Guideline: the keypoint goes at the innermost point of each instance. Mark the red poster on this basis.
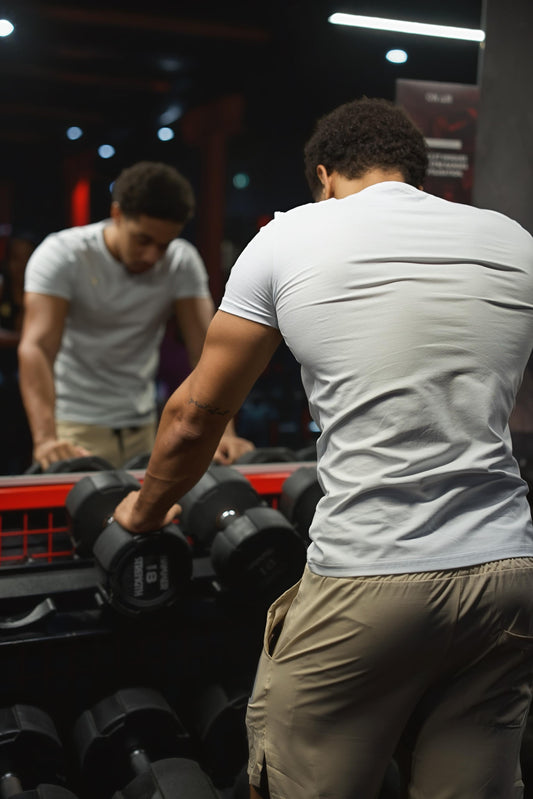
(446, 113)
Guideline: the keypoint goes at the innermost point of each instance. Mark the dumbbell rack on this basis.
(36, 552)
(74, 651)
(47, 598)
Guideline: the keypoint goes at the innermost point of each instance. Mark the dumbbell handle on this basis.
(139, 761)
(226, 517)
(9, 786)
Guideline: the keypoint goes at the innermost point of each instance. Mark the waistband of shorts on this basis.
(479, 569)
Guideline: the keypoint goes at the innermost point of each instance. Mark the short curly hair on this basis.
(365, 134)
(154, 189)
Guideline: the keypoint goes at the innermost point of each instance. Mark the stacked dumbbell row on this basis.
(229, 540)
(128, 745)
(254, 551)
(133, 745)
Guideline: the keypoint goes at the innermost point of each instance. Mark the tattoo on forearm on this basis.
(205, 406)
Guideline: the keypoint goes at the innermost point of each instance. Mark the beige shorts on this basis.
(350, 665)
(116, 446)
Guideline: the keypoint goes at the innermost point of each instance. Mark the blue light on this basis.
(106, 151)
(173, 113)
(6, 27)
(165, 134)
(74, 132)
(396, 56)
(241, 180)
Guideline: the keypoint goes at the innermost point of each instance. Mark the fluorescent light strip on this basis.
(445, 144)
(403, 26)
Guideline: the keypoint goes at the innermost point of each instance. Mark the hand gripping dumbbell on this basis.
(255, 552)
(138, 574)
(299, 497)
(32, 764)
(132, 745)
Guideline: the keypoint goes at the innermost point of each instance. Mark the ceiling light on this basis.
(165, 134)
(173, 113)
(404, 26)
(241, 180)
(106, 151)
(6, 27)
(74, 132)
(396, 56)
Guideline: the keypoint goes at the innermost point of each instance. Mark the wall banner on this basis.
(446, 113)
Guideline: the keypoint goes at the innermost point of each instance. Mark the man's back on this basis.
(413, 320)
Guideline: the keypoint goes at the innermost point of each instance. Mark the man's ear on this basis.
(115, 212)
(326, 181)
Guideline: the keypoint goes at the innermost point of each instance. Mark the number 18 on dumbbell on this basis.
(138, 574)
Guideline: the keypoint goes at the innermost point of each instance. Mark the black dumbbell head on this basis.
(91, 501)
(268, 455)
(141, 574)
(219, 720)
(131, 719)
(300, 494)
(258, 555)
(30, 747)
(221, 489)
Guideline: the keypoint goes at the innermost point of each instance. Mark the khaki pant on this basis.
(351, 664)
(116, 446)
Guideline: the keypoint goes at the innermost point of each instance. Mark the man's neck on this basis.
(340, 186)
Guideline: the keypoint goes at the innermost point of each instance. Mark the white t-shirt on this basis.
(105, 368)
(412, 319)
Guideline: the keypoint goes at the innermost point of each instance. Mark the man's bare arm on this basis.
(235, 353)
(194, 315)
(44, 319)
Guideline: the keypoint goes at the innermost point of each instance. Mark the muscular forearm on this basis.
(186, 441)
(38, 393)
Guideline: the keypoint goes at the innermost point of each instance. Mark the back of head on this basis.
(154, 189)
(362, 135)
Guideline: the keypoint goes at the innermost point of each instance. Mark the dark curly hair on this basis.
(365, 134)
(156, 190)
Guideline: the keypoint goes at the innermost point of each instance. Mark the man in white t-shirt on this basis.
(97, 298)
(412, 319)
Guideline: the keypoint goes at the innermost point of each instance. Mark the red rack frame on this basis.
(33, 520)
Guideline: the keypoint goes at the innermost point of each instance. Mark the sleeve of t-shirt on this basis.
(249, 290)
(190, 274)
(50, 269)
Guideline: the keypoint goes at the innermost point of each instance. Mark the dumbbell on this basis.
(138, 574)
(299, 496)
(218, 719)
(132, 745)
(32, 763)
(85, 463)
(255, 552)
(268, 455)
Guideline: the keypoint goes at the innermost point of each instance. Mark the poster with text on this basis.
(446, 113)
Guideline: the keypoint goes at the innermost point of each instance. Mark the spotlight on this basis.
(106, 151)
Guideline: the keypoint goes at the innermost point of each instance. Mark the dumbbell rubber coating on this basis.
(32, 764)
(133, 745)
(254, 550)
(138, 574)
(299, 497)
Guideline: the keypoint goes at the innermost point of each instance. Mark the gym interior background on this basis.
(228, 94)
(236, 87)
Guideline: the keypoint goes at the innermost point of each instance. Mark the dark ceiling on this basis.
(114, 69)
